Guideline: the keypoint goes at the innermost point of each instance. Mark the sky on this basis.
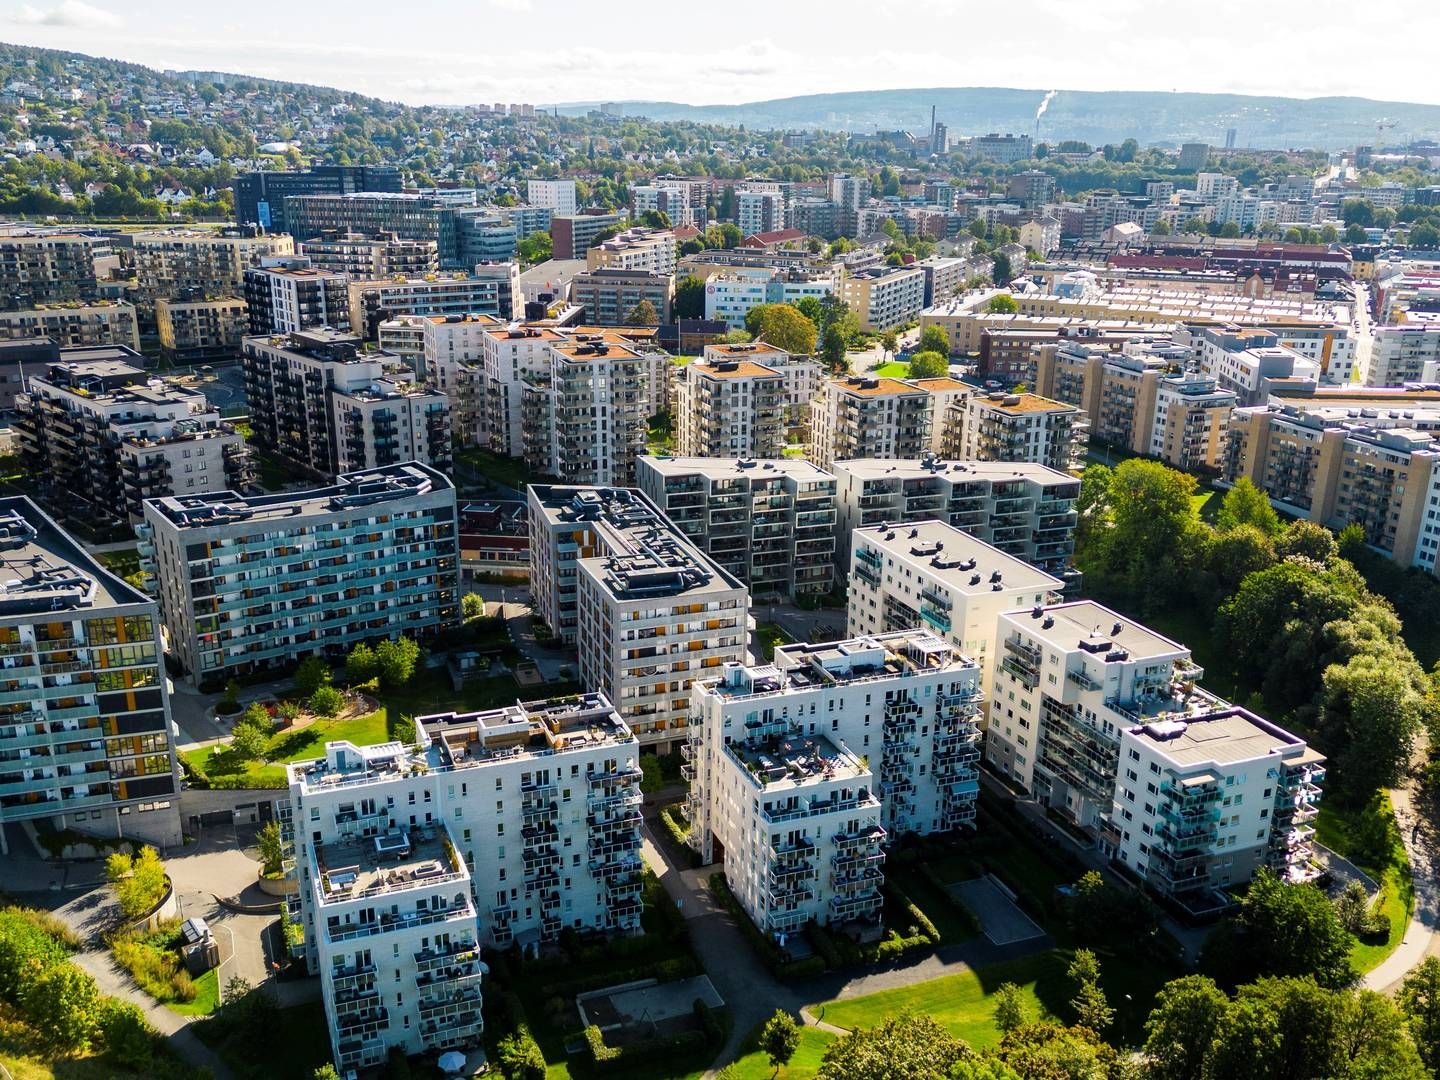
(459, 52)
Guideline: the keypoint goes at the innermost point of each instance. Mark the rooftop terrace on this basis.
(399, 860)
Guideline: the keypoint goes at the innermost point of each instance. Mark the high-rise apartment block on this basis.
(867, 416)
(75, 325)
(801, 768)
(85, 728)
(409, 217)
(572, 234)
(100, 436)
(742, 400)
(648, 611)
(1022, 509)
(1101, 719)
(584, 419)
(364, 257)
(287, 296)
(934, 576)
(771, 524)
(171, 263)
(651, 251)
(885, 297)
(259, 582)
(196, 330)
(46, 268)
(610, 297)
(260, 196)
(557, 196)
(998, 426)
(1401, 354)
(370, 302)
(390, 420)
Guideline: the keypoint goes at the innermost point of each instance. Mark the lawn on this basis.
(207, 997)
(502, 470)
(768, 636)
(895, 369)
(794, 451)
(1207, 504)
(270, 471)
(754, 1065)
(297, 1043)
(949, 919)
(1370, 838)
(121, 563)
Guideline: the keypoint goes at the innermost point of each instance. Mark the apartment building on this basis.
(572, 234)
(932, 575)
(76, 324)
(46, 268)
(371, 302)
(260, 196)
(251, 583)
(557, 196)
(291, 296)
(864, 416)
(1191, 419)
(407, 216)
(493, 233)
(730, 292)
(170, 263)
(997, 426)
(19, 359)
(885, 297)
(302, 390)
(741, 400)
(646, 251)
(1022, 509)
(648, 611)
(391, 420)
(1401, 354)
(364, 258)
(760, 211)
(771, 524)
(584, 420)
(1101, 719)
(85, 731)
(609, 297)
(451, 350)
(510, 356)
(404, 335)
(100, 436)
(415, 829)
(194, 331)
(1249, 362)
(782, 763)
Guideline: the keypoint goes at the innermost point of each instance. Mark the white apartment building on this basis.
(760, 211)
(673, 200)
(731, 292)
(646, 251)
(769, 523)
(407, 868)
(511, 356)
(1401, 354)
(1214, 186)
(557, 196)
(453, 351)
(1022, 509)
(404, 335)
(1247, 211)
(1017, 428)
(584, 419)
(1190, 421)
(648, 611)
(1248, 361)
(740, 400)
(933, 575)
(781, 763)
(885, 297)
(866, 416)
(802, 375)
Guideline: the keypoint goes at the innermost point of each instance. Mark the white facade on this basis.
(1015, 427)
(557, 196)
(885, 297)
(1401, 354)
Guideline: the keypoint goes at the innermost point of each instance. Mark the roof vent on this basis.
(1115, 630)
(1048, 623)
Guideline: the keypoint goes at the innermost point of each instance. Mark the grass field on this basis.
(503, 470)
(1352, 833)
(217, 762)
(769, 635)
(207, 997)
(754, 1065)
(937, 906)
(896, 369)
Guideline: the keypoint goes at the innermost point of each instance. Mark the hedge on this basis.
(617, 1058)
(916, 916)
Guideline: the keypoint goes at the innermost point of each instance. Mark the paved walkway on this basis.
(1420, 936)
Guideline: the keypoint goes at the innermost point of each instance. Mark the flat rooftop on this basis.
(736, 468)
(1085, 623)
(525, 729)
(953, 471)
(402, 859)
(43, 570)
(728, 368)
(355, 490)
(1021, 404)
(794, 759)
(1223, 737)
(743, 350)
(873, 386)
(969, 566)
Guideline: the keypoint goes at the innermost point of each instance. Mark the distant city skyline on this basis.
(497, 50)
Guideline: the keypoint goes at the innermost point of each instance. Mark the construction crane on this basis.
(1382, 125)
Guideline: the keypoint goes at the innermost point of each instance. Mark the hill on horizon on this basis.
(1097, 117)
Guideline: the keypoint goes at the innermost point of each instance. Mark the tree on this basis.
(1370, 713)
(256, 715)
(1374, 1040)
(1151, 518)
(249, 742)
(1357, 212)
(312, 674)
(396, 660)
(1355, 234)
(643, 314)
(898, 1048)
(472, 606)
(1282, 929)
(832, 349)
(1246, 504)
(1329, 234)
(535, 248)
(783, 326)
(1280, 1028)
(1092, 1011)
(689, 302)
(1419, 1000)
(780, 1038)
(1048, 1051)
(272, 849)
(62, 1005)
(1004, 304)
(929, 365)
(1237, 553)
(1160, 228)
(1352, 907)
(1424, 236)
(934, 339)
(326, 1072)
(1002, 272)
(890, 342)
(1181, 1027)
(326, 701)
(360, 664)
(1010, 1010)
(138, 880)
(1308, 540)
(128, 1038)
(230, 702)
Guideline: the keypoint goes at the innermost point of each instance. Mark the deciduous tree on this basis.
(780, 1038)
(1182, 1026)
(898, 1048)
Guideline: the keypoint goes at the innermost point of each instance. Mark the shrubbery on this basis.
(154, 963)
(139, 881)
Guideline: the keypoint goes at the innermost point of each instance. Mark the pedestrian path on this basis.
(1425, 915)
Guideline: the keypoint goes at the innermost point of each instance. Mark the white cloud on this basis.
(70, 13)
(511, 5)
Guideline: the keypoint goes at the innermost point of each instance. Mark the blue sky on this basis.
(547, 51)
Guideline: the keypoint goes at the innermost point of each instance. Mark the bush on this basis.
(472, 605)
(288, 711)
(326, 701)
(916, 916)
(520, 1057)
(154, 965)
(617, 1059)
(139, 881)
(230, 703)
(128, 1038)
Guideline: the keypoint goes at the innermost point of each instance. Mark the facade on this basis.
(75, 325)
(932, 575)
(760, 211)
(771, 524)
(260, 196)
(366, 258)
(409, 217)
(557, 196)
(510, 356)
(1248, 363)
(286, 299)
(866, 416)
(649, 251)
(301, 389)
(584, 416)
(171, 263)
(1401, 354)
(194, 331)
(362, 817)
(1021, 509)
(735, 405)
(247, 584)
(782, 763)
(731, 292)
(609, 296)
(96, 757)
(371, 302)
(100, 438)
(46, 269)
(1101, 719)
(649, 612)
(571, 235)
(1016, 427)
(19, 359)
(393, 419)
(885, 297)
